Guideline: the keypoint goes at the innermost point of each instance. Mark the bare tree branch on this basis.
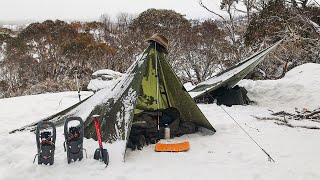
(202, 5)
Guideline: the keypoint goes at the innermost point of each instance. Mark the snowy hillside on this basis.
(228, 154)
(299, 88)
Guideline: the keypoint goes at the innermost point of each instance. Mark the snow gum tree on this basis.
(116, 34)
(300, 26)
(205, 52)
(43, 57)
(232, 24)
(196, 49)
(166, 22)
(53, 50)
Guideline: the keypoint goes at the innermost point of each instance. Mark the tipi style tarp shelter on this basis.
(138, 90)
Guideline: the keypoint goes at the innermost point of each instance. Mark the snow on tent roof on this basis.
(106, 71)
(231, 76)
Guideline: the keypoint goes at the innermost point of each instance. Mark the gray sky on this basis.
(30, 10)
(21, 11)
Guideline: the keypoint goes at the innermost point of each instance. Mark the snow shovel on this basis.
(100, 153)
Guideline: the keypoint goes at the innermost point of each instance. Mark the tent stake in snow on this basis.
(269, 157)
(77, 81)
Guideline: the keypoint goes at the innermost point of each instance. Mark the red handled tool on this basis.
(100, 153)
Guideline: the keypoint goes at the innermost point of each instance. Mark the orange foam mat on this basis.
(176, 147)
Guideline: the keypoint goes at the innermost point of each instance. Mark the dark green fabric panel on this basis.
(118, 111)
(148, 94)
(180, 98)
(229, 83)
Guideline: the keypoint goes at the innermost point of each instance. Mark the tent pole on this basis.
(77, 81)
(157, 77)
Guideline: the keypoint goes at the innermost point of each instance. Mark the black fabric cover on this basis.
(144, 128)
(235, 96)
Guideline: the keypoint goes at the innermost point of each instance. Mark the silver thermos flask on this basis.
(167, 132)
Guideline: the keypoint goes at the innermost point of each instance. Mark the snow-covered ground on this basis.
(228, 154)
(299, 88)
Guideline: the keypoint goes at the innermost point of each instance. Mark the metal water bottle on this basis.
(167, 132)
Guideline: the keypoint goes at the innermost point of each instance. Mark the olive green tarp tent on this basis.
(231, 76)
(135, 92)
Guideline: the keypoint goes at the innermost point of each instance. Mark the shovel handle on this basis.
(104, 157)
(97, 126)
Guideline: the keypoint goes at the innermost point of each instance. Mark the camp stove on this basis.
(73, 144)
(45, 142)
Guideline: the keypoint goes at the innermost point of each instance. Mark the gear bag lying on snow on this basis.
(46, 140)
(73, 139)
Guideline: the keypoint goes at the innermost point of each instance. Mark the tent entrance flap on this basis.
(147, 99)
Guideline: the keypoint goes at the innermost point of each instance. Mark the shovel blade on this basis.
(97, 154)
(103, 156)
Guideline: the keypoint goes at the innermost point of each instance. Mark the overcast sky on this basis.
(39, 10)
(30, 10)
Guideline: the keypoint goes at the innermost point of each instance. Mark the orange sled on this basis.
(177, 147)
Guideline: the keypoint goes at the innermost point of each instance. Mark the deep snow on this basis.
(299, 88)
(228, 154)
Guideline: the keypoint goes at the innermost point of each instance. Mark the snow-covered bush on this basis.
(277, 20)
(51, 86)
(103, 79)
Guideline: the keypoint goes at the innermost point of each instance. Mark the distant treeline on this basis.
(44, 57)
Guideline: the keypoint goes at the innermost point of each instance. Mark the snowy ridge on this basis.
(299, 88)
